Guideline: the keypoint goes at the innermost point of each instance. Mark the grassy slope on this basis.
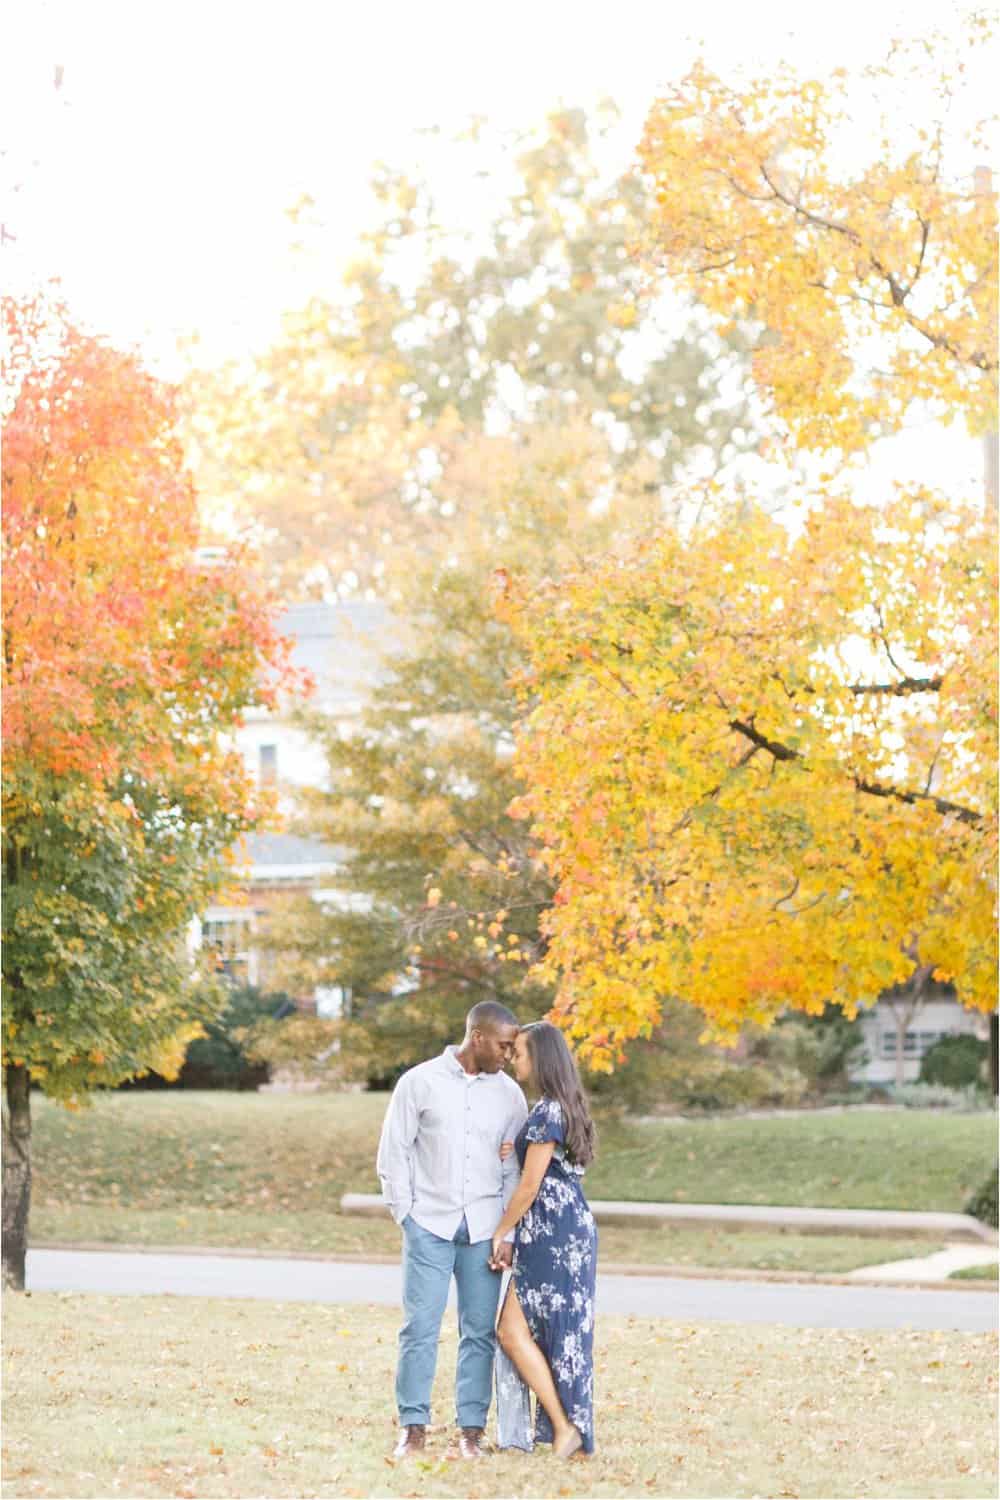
(976, 1273)
(267, 1171)
(198, 1397)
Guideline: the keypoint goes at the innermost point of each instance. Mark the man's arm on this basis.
(510, 1169)
(394, 1163)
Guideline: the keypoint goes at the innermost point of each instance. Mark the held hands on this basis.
(501, 1254)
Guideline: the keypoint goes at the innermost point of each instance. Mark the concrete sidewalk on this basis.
(874, 1222)
(936, 1267)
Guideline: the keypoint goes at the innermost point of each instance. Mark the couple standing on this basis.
(471, 1207)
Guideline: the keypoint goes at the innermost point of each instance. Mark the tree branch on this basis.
(901, 688)
(869, 788)
(941, 804)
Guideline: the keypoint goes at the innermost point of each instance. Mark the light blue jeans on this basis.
(429, 1263)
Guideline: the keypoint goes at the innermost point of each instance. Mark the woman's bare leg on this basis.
(532, 1366)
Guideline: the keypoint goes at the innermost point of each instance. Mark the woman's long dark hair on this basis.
(557, 1078)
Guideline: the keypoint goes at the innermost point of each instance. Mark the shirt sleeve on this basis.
(510, 1169)
(394, 1163)
(545, 1123)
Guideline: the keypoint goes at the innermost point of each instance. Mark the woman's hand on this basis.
(501, 1253)
(506, 1147)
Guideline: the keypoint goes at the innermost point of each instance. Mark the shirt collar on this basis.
(450, 1058)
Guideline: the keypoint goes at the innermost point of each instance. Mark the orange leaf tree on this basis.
(759, 757)
(125, 663)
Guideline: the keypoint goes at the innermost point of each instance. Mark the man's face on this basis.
(494, 1047)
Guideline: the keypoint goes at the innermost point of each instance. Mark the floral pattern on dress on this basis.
(555, 1270)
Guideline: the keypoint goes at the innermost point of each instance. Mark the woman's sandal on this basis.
(570, 1445)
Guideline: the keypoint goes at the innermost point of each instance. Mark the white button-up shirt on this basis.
(439, 1154)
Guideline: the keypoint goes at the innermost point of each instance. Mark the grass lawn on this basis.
(138, 1396)
(976, 1273)
(342, 1234)
(267, 1171)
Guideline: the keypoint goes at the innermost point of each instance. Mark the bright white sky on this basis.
(155, 183)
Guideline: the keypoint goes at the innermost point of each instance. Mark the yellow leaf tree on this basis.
(759, 756)
(874, 283)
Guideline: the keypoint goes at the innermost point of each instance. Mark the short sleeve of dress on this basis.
(545, 1123)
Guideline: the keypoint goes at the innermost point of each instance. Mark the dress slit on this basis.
(514, 1426)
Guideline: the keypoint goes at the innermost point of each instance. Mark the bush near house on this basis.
(798, 1061)
(983, 1203)
(219, 1060)
(955, 1061)
(825, 1049)
(222, 1059)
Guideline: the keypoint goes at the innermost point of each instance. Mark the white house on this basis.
(339, 645)
(938, 1014)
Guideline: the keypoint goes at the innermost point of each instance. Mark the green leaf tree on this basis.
(126, 664)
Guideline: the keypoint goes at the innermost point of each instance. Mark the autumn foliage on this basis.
(877, 288)
(761, 768)
(760, 753)
(126, 662)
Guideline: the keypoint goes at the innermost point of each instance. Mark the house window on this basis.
(332, 1001)
(268, 765)
(230, 938)
(915, 1043)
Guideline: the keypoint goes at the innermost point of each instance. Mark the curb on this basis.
(875, 1223)
(612, 1268)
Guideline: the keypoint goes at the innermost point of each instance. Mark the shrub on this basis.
(955, 1061)
(825, 1048)
(983, 1203)
(305, 1046)
(672, 1071)
(937, 1096)
(713, 1083)
(218, 1060)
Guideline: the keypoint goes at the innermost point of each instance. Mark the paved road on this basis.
(792, 1304)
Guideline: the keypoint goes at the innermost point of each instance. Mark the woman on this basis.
(546, 1324)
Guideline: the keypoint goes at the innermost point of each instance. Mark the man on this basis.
(446, 1186)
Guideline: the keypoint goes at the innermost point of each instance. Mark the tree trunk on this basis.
(905, 1009)
(16, 1174)
(902, 1026)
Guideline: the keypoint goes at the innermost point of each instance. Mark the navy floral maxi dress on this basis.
(554, 1275)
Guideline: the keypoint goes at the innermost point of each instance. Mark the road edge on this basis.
(610, 1268)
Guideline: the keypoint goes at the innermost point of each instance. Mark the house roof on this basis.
(290, 849)
(340, 645)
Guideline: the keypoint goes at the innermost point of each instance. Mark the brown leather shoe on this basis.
(470, 1443)
(411, 1442)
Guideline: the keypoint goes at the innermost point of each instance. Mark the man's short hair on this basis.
(487, 1016)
